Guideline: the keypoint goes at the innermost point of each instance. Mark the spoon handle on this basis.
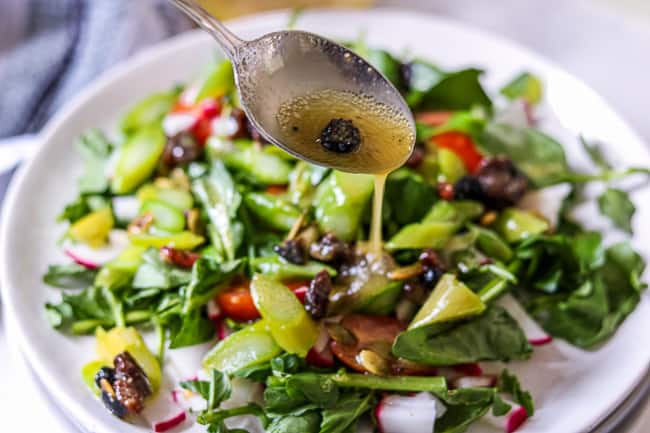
(229, 41)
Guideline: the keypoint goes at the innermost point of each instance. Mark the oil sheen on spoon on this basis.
(386, 138)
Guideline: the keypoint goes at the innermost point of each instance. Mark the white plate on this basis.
(573, 389)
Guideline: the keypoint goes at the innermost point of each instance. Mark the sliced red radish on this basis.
(541, 341)
(412, 414)
(511, 421)
(223, 330)
(474, 382)
(162, 413)
(321, 355)
(535, 334)
(126, 207)
(93, 258)
(214, 312)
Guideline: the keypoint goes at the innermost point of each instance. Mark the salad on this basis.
(189, 228)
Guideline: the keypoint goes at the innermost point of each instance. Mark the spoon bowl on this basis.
(284, 66)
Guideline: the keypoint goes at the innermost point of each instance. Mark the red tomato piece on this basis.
(462, 145)
(237, 303)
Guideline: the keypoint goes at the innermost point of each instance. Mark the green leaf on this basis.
(201, 387)
(494, 335)
(221, 200)
(95, 150)
(194, 329)
(500, 407)
(463, 407)
(616, 204)
(536, 154)
(595, 153)
(509, 384)
(525, 86)
(208, 278)
(433, 89)
(347, 411)
(407, 198)
(154, 273)
(69, 276)
(308, 422)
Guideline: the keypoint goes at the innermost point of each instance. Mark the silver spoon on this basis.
(281, 66)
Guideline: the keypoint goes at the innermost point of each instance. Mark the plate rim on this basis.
(127, 66)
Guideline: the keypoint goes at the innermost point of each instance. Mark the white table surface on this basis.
(604, 42)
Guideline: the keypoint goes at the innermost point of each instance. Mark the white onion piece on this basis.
(224, 126)
(175, 123)
(126, 207)
(94, 258)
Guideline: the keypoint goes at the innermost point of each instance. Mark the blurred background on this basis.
(51, 49)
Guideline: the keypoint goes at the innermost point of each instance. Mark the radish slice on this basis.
(324, 358)
(535, 334)
(162, 413)
(412, 414)
(300, 293)
(541, 341)
(474, 382)
(93, 258)
(175, 123)
(126, 207)
(214, 312)
(511, 421)
(223, 331)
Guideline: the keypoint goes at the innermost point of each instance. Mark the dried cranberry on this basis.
(181, 149)
(180, 258)
(468, 188)
(292, 250)
(446, 191)
(330, 249)
(502, 183)
(317, 297)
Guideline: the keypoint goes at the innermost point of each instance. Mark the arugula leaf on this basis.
(524, 86)
(201, 387)
(616, 204)
(86, 310)
(221, 200)
(494, 335)
(69, 276)
(434, 89)
(95, 150)
(344, 415)
(509, 384)
(155, 273)
(536, 154)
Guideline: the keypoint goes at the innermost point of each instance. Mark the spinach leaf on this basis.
(207, 279)
(595, 154)
(524, 86)
(308, 422)
(509, 384)
(591, 298)
(616, 204)
(434, 89)
(536, 154)
(407, 199)
(463, 407)
(494, 335)
(190, 329)
(201, 387)
(346, 412)
(155, 273)
(95, 150)
(221, 200)
(70, 276)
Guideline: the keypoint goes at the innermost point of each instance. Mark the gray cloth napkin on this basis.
(51, 49)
